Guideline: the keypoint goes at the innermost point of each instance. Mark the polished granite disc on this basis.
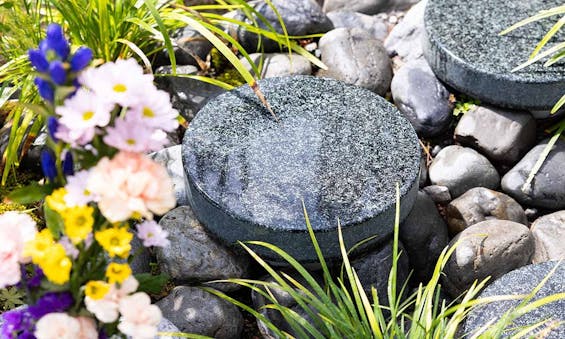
(339, 149)
(465, 50)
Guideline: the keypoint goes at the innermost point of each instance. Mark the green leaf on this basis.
(30, 194)
(10, 298)
(149, 283)
(53, 221)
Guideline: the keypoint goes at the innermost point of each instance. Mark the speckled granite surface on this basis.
(339, 148)
(465, 50)
(523, 281)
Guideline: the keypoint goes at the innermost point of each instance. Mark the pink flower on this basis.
(106, 309)
(15, 229)
(74, 136)
(155, 110)
(131, 135)
(152, 234)
(70, 249)
(131, 183)
(139, 318)
(87, 328)
(57, 326)
(77, 194)
(84, 110)
(121, 82)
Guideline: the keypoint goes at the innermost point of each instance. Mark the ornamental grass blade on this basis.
(541, 159)
(552, 31)
(226, 51)
(541, 15)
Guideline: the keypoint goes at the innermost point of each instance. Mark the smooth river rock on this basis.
(422, 98)
(489, 248)
(196, 311)
(479, 204)
(193, 255)
(461, 168)
(547, 190)
(354, 56)
(424, 235)
(549, 233)
(503, 136)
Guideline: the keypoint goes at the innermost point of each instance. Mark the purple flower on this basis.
(52, 126)
(51, 302)
(16, 321)
(48, 165)
(38, 60)
(35, 279)
(81, 59)
(45, 89)
(57, 72)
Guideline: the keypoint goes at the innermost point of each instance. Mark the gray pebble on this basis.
(489, 248)
(439, 194)
(193, 255)
(501, 135)
(547, 190)
(480, 204)
(355, 57)
(193, 310)
(374, 25)
(549, 234)
(171, 159)
(460, 169)
(405, 39)
(424, 235)
(422, 98)
(279, 64)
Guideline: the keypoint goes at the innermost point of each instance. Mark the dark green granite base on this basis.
(339, 148)
(465, 50)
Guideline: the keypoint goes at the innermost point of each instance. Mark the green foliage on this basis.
(340, 308)
(553, 54)
(10, 298)
(464, 104)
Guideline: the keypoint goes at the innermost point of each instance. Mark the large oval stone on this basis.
(465, 49)
(338, 149)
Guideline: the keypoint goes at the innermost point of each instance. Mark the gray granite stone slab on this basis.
(339, 148)
(523, 281)
(465, 50)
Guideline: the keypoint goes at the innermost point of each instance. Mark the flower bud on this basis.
(48, 165)
(81, 59)
(38, 60)
(45, 89)
(57, 72)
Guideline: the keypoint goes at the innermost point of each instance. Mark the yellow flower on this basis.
(38, 247)
(56, 265)
(117, 273)
(96, 289)
(56, 201)
(78, 222)
(116, 241)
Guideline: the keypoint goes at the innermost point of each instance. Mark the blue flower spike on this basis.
(56, 41)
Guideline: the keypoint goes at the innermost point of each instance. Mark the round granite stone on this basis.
(465, 50)
(337, 148)
(522, 282)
